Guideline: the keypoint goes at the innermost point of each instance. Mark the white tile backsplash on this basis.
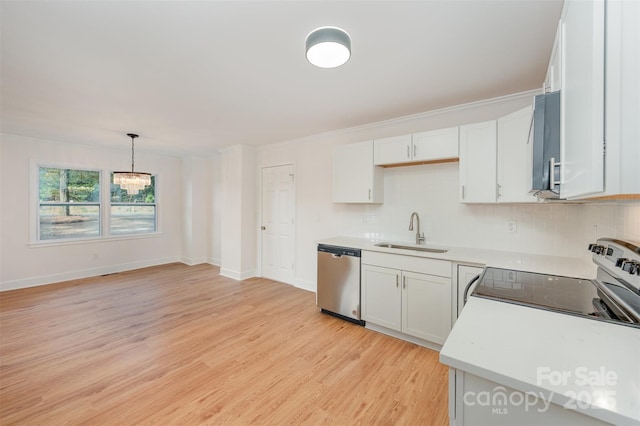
(432, 190)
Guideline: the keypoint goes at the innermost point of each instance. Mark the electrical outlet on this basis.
(512, 226)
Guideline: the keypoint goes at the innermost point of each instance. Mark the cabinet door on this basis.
(622, 173)
(552, 82)
(355, 179)
(582, 100)
(393, 150)
(435, 145)
(478, 162)
(515, 157)
(381, 296)
(426, 306)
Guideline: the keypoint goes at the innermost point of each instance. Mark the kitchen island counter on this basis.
(579, 363)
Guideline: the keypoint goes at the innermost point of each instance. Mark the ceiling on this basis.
(194, 76)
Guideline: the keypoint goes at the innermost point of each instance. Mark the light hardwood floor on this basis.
(176, 344)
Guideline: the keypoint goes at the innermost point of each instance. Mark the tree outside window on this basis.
(69, 203)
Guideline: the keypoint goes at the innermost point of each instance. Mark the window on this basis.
(133, 213)
(69, 203)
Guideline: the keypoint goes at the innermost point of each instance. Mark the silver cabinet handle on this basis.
(369, 194)
(552, 173)
(414, 151)
(408, 152)
(397, 280)
(462, 187)
(404, 282)
(498, 188)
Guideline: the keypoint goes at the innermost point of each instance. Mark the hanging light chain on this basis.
(133, 138)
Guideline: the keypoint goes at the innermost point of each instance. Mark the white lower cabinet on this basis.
(477, 401)
(426, 306)
(411, 302)
(381, 296)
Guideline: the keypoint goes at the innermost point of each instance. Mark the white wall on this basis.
(214, 226)
(208, 208)
(23, 264)
(432, 191)
(196, 210)
(239, 212)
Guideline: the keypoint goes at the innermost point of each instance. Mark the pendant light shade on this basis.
(328, 47)
(132, 181)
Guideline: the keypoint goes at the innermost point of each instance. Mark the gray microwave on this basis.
(545, 181)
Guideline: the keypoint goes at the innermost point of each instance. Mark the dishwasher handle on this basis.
(337, 252)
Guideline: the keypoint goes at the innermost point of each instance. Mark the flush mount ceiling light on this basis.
(132, 181)
(328, 47)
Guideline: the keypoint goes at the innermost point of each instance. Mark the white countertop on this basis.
(555, 265)
(528, 349)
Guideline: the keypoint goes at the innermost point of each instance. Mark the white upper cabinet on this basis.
(553, 80)
(478, 162)
(496, 160)
(355, 178)
(622, 100)
(515, 157)
(600, 69)
(434, 145)
(393, 150)
(582, 99)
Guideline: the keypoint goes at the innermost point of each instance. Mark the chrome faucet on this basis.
(419, 236)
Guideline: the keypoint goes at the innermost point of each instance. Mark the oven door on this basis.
(622, 302)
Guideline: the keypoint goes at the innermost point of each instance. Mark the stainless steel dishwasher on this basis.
(339, 282)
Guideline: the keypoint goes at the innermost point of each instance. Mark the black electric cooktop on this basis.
(552, 292)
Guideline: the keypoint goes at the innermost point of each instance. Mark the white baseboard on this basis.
(215, 261)
(191, 262)
(237, 275)
(305, 284)
(402, 336)
(83, 273)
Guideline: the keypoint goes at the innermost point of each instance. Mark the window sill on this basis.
(92, 240)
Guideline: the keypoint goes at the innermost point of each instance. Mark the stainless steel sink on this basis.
(416, 248)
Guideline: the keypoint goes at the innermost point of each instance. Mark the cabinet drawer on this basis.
(421, 265)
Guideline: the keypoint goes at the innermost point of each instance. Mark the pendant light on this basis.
(328, 47)
(132, 181)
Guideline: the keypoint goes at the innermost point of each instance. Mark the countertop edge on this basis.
(549, 264)
(467, 335)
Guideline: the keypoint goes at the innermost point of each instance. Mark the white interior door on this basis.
(278, 223)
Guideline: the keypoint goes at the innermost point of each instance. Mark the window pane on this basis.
(67, 185)
(68, 221)
(129, 219)
(144, 195)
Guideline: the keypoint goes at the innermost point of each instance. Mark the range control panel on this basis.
(619, 258)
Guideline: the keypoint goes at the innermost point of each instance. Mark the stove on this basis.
(613, 295)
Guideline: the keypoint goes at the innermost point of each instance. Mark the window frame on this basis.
(111, 204)
(104, 206)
